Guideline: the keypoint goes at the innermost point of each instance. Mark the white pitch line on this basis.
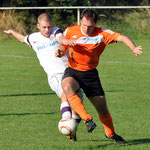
(123, 62)
(101, 61)
(16, 56)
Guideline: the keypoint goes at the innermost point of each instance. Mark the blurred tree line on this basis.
(29, 3)
(64, 17)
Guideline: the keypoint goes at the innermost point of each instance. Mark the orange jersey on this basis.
(85, 54)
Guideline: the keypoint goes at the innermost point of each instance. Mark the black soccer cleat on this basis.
(90, 125)
(116, 138)
(72, 138)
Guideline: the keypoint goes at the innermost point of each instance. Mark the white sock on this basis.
(65, 110)
(77, 118)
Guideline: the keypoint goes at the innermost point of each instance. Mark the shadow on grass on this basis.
(137, 142)
(32, 94)
(128, 143)
(24, 114)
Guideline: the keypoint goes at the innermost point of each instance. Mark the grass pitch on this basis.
(30, 110)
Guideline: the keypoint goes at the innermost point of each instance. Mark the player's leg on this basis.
(65, 107)
(74, 114)
(99, 103)
(55, 84)
(70, 86)
(93, 89)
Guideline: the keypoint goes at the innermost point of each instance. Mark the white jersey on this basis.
(45, 49)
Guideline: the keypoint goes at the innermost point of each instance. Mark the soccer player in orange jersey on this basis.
(81, 72)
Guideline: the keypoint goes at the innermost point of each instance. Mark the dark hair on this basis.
(89, 13)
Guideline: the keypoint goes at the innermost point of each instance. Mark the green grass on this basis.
(29, 109)
(135, 24)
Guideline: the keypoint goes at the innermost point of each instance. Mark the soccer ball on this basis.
(67, 126)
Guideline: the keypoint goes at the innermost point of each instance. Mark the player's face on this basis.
(87, 25)
(45, 28)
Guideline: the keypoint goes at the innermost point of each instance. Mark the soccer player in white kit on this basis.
(45, 43)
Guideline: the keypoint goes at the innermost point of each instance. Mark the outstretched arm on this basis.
(137, 50)
(17, 35)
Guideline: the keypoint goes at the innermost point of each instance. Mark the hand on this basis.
(137, 50)
(68, 42)
(59, 53)
(8, 31)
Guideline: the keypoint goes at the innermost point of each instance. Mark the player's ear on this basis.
(38, 26)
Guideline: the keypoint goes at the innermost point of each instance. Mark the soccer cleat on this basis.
(116, 138)
(90, 125)
(72, 138)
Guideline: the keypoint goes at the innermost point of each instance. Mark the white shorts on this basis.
(55, 83)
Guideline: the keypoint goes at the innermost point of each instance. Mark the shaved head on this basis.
(44, 17)
(44, 24)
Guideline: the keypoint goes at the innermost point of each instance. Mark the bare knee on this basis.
(67, 89)
(70, 86)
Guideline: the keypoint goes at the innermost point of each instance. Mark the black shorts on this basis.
(88, 80)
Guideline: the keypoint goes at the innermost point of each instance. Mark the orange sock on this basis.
(77, 106)
(108, 124)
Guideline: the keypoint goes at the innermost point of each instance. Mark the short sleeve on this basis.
(26, 40)
(110, 36)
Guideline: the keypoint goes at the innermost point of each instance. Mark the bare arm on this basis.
(62, 40)
(17, 35)
(137, 50)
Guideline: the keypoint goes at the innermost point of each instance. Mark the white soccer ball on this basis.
(67, 126)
